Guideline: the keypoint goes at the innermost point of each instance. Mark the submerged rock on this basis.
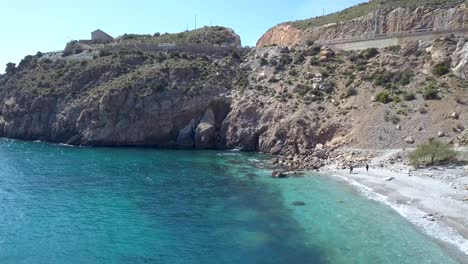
(299, 203)
(279, 174)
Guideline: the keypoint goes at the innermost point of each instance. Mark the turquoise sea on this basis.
(61, 204)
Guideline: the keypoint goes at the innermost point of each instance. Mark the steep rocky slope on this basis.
(120, 98)
(372, 99)
(303, 100)
(376, 17)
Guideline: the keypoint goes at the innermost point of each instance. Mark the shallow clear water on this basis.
(61, 204)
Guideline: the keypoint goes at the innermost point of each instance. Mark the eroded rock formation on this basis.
(376, 22)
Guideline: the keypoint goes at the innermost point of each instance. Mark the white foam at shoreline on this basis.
(435, 229)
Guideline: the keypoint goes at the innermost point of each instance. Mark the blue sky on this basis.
(28, 26)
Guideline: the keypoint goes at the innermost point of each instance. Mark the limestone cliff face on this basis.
(125, 99)
(283, 34)
(118, 119)
(376, 22)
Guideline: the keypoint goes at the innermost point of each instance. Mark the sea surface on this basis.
(61, 204)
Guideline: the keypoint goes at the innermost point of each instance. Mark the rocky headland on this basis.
(303, 101)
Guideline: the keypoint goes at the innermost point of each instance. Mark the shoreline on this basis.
(431, 204)
(423, 197)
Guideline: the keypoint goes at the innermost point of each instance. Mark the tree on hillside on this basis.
(10, 68)
(432, 153)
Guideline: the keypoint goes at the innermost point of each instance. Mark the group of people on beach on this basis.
(351, 168)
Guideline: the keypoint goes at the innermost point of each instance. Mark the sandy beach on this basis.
(434, 200)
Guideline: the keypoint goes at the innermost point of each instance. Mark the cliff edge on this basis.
(376, 17)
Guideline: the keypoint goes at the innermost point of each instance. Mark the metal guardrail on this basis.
(396, 34)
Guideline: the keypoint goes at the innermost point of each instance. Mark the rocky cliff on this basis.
(381, 19)
(125, 98)
(307, 100)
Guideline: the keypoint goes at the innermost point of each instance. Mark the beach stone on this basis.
(390, 179)
(454, 115)
(410, 140)
(440, 134)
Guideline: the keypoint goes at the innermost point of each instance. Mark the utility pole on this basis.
(195, 21)
(323, 12)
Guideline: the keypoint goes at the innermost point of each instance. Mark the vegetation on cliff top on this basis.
(146, 72)
(366, 8)
(206, 35)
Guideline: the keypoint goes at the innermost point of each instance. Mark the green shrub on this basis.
(299, 59)
(273, 80)
(104, 53)
(350, 91)
(383, 97)
(350, 80)
(235, 55)
(310, 42)
(285, 59)
(402, 112)
(72, 47)
(388, 117)
(394, 49)
(368, 53)
(396, 99)
(10, 68)
(395, 119)
(408, 96)
(430, 93)
(390, 80)
(422, 110)
(314, 61)
(440, 70)
(432, 153)
(329, 86)
(293, 72)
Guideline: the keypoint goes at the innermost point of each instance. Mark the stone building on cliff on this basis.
(99, 35)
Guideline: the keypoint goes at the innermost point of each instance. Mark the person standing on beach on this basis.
(367, 167)
(351, 169)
